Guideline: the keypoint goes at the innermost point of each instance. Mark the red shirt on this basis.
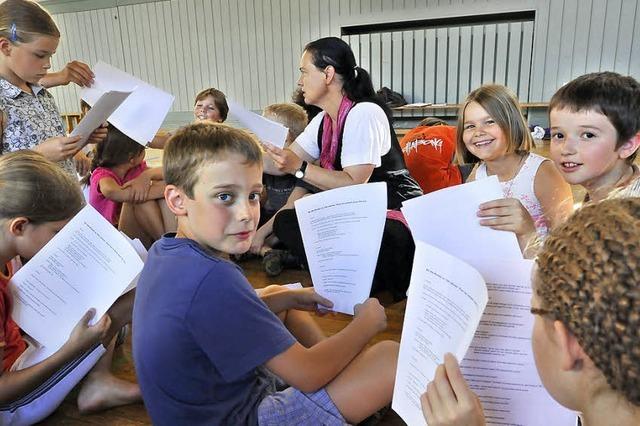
(428, 152)
(11, 340)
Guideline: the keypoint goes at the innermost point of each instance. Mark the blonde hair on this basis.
(502, 105)
(33, 187)
(589, 278)
(292, 116)
(23, 20)
(196, 144)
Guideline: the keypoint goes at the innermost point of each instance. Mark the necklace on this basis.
(507, 187)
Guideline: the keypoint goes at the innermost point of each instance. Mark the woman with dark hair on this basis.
(350, 142)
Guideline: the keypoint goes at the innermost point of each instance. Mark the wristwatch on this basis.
(300, 172)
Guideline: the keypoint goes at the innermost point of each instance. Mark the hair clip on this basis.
(355, 71)
(13, 32)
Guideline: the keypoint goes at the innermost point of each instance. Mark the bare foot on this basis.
(104, 390)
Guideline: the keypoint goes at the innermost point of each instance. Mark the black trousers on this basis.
(393, 270)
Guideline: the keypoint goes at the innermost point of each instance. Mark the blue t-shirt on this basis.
(200, 337)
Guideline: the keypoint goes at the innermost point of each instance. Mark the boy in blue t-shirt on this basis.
(209, 350)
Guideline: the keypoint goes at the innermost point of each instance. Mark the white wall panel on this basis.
(88, 36)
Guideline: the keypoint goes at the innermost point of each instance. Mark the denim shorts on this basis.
(294, 407)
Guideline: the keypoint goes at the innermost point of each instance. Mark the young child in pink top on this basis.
(116, 163)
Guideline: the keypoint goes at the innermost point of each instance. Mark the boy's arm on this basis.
(16, 384)
(283, 299)
(309, 369)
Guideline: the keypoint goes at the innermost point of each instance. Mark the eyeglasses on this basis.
(542, 312)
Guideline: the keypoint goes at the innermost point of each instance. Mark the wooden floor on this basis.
(136, 414)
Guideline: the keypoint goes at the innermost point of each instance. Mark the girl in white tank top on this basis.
(521, 187)
(493, 132)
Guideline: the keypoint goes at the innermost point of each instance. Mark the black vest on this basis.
(392, 170)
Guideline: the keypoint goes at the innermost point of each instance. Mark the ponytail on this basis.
(356, 82)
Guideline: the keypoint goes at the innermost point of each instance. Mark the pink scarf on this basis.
(329, 137)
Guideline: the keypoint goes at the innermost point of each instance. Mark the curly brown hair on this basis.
(589, 276)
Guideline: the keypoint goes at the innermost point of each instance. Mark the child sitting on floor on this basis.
(595, 134)
(277, 188)
(115, 163)
(37, 198)
(210, 104)
(492, 130)
(230, 347)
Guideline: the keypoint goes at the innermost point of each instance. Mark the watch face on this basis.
(299, 174)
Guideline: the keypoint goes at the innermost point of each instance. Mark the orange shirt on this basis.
(11, 340)
(428, 152)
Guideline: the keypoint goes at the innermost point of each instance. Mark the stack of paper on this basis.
(451, 309)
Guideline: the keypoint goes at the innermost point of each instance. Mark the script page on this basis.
(98, 114)
(266, 130)
(448, 219)
(86, 265)
(445, 301)
(142, 113)
(499, 364)
(342, 230)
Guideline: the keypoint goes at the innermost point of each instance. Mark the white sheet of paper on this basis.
(86, 265)
(445, 303)
(142, 113)
(342, 230)
(499, 364)
(448, 220)
(33, 354)
(266, 130)
(142, 252)
(99, 113)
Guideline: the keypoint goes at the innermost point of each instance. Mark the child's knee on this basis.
(388, 349)
(386, 354)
